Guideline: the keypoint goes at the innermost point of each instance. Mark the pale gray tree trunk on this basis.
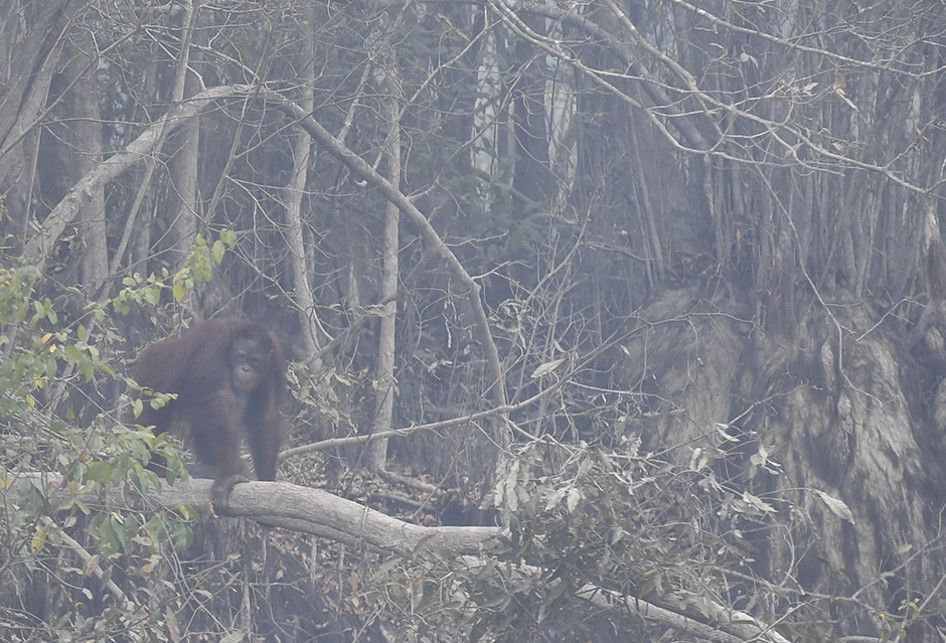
(384, 378)
(301, 153)
(184, 148)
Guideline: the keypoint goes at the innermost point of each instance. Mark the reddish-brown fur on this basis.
(213, 412)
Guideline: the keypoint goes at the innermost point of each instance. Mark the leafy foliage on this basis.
(45, 363)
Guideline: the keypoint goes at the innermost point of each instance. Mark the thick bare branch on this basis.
(323, 514)
(303, 509)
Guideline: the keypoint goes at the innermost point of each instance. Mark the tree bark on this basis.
(184, 148)
(312, 511)
(384, 384)
(301, 155)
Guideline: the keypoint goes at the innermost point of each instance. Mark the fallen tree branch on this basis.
(320, 513)
(734, 627)
(304, 509)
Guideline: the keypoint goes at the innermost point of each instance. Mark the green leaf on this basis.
(178, 290)
(218, 249)
(152, 295)
(38, 541)
(72, 353)
(228, 237)
(99, 472)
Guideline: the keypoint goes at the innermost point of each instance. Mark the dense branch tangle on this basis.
(37, 248)
(795, 145)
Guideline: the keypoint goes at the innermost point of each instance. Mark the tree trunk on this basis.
(78, 140)
(384, 375)
(301, 151)
(183, 149)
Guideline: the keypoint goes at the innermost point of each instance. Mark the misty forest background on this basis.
(653, 274)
